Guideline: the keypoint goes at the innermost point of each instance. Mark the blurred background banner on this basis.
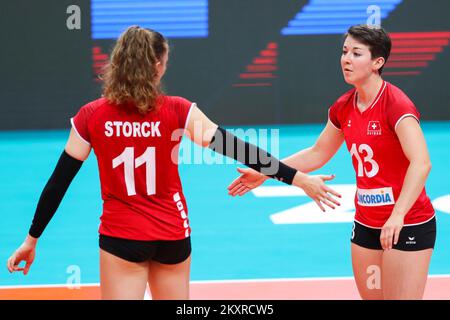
(243, 62)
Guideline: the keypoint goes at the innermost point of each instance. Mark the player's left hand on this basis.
(391, 231)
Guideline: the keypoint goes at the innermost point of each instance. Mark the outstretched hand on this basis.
(316, 189)
(248, 180)
(314, 186)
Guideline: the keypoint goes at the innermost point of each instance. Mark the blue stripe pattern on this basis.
(173, 18)
(335, 16)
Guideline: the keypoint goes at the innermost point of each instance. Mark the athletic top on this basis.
(138, 164)
(377, 155)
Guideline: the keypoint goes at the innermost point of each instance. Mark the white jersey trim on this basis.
(365, 225)
(189, 114)
(78, 134)
(332, 121)
(416, 224)
(405, 225)
(403, 117)
(380, 94)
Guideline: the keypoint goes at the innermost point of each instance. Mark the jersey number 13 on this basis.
(356, 152)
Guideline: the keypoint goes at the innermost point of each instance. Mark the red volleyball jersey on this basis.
(377, 155)
(138, 164)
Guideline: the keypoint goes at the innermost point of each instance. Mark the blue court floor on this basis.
(271, 234)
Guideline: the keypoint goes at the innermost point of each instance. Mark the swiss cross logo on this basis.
(374, 128)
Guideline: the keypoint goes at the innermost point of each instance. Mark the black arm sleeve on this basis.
(53, 193)
(231, 146)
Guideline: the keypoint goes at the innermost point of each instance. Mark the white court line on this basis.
(51, 286)
(210, 281)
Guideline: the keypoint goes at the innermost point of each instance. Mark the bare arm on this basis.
(315, 157)
(306, 160)
(200, 129)
(415, 149)
(76, 147)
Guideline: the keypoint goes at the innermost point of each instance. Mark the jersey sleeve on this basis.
(333, 116)
(80, 122)
(401, 110)
(183, 108)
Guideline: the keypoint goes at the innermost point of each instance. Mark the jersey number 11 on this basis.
(127, 158)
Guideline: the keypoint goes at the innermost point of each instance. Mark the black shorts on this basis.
(162, 251)
(412, 238)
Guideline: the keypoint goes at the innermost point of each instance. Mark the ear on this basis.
(158, 67)
(378, 63)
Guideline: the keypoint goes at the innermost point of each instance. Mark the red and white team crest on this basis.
(374, 128)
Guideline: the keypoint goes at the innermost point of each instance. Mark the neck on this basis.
(367, 91)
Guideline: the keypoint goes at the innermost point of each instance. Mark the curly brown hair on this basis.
(131, 75)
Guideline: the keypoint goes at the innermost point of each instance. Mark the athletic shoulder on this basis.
(177, 101)
(92, 106)
(80, 122)
(180, 106)
(399, 106)
(397, 97)
(336, 108)
(345, 98)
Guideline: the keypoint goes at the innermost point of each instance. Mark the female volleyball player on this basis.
(135, 131)
(395, 228)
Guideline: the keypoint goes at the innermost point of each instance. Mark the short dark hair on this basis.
(376, 38)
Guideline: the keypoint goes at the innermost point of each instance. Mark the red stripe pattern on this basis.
(413, 51)
(99, 60)
(262, 70)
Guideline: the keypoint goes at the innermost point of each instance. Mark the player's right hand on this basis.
(248, 180)
(26, 252)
